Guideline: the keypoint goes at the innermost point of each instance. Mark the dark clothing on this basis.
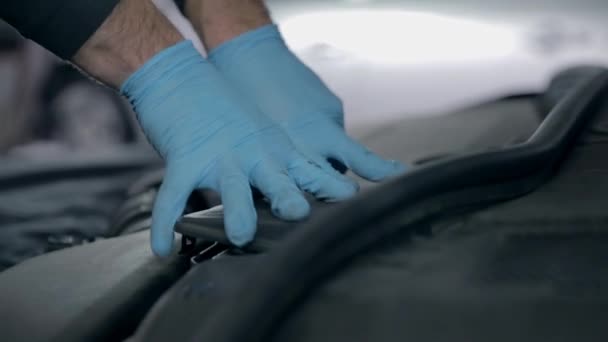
(61, 26)
(181, 4)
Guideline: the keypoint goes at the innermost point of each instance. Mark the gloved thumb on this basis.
(168, 208)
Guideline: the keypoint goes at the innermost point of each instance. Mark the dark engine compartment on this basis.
(530, 268)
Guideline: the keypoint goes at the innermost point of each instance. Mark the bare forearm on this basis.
(217, 21)
(132, 34)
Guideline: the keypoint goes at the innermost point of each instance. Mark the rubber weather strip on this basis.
(265, 296)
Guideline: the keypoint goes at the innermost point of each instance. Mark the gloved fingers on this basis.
(337, 165)
(240, 216)
(324, 164)
(168, 207)
(323, 184)
(287, 201)
(362, 161)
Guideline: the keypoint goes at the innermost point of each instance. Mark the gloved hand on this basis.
(261, 66)
(212, 139)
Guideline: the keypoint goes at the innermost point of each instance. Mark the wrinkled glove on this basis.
(260, 65)
(212, 139)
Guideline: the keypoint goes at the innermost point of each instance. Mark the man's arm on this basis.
(132, 34)
(218, 21)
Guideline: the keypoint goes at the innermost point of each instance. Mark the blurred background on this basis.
(48, 107)
(386, 59)
(389, 59)
(71, 151)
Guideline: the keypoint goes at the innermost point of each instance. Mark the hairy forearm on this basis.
(217, 21)
(132, 34)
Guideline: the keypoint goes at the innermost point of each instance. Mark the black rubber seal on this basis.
(289, 272)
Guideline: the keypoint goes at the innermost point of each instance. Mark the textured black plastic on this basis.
(531, 269)
(96, 292)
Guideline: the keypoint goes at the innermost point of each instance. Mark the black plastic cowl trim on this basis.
(288, 272)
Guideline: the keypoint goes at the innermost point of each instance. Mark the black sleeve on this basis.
(61, 26)
(181, 4)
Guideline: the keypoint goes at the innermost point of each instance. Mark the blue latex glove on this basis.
(261, 66)
(211, 139)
